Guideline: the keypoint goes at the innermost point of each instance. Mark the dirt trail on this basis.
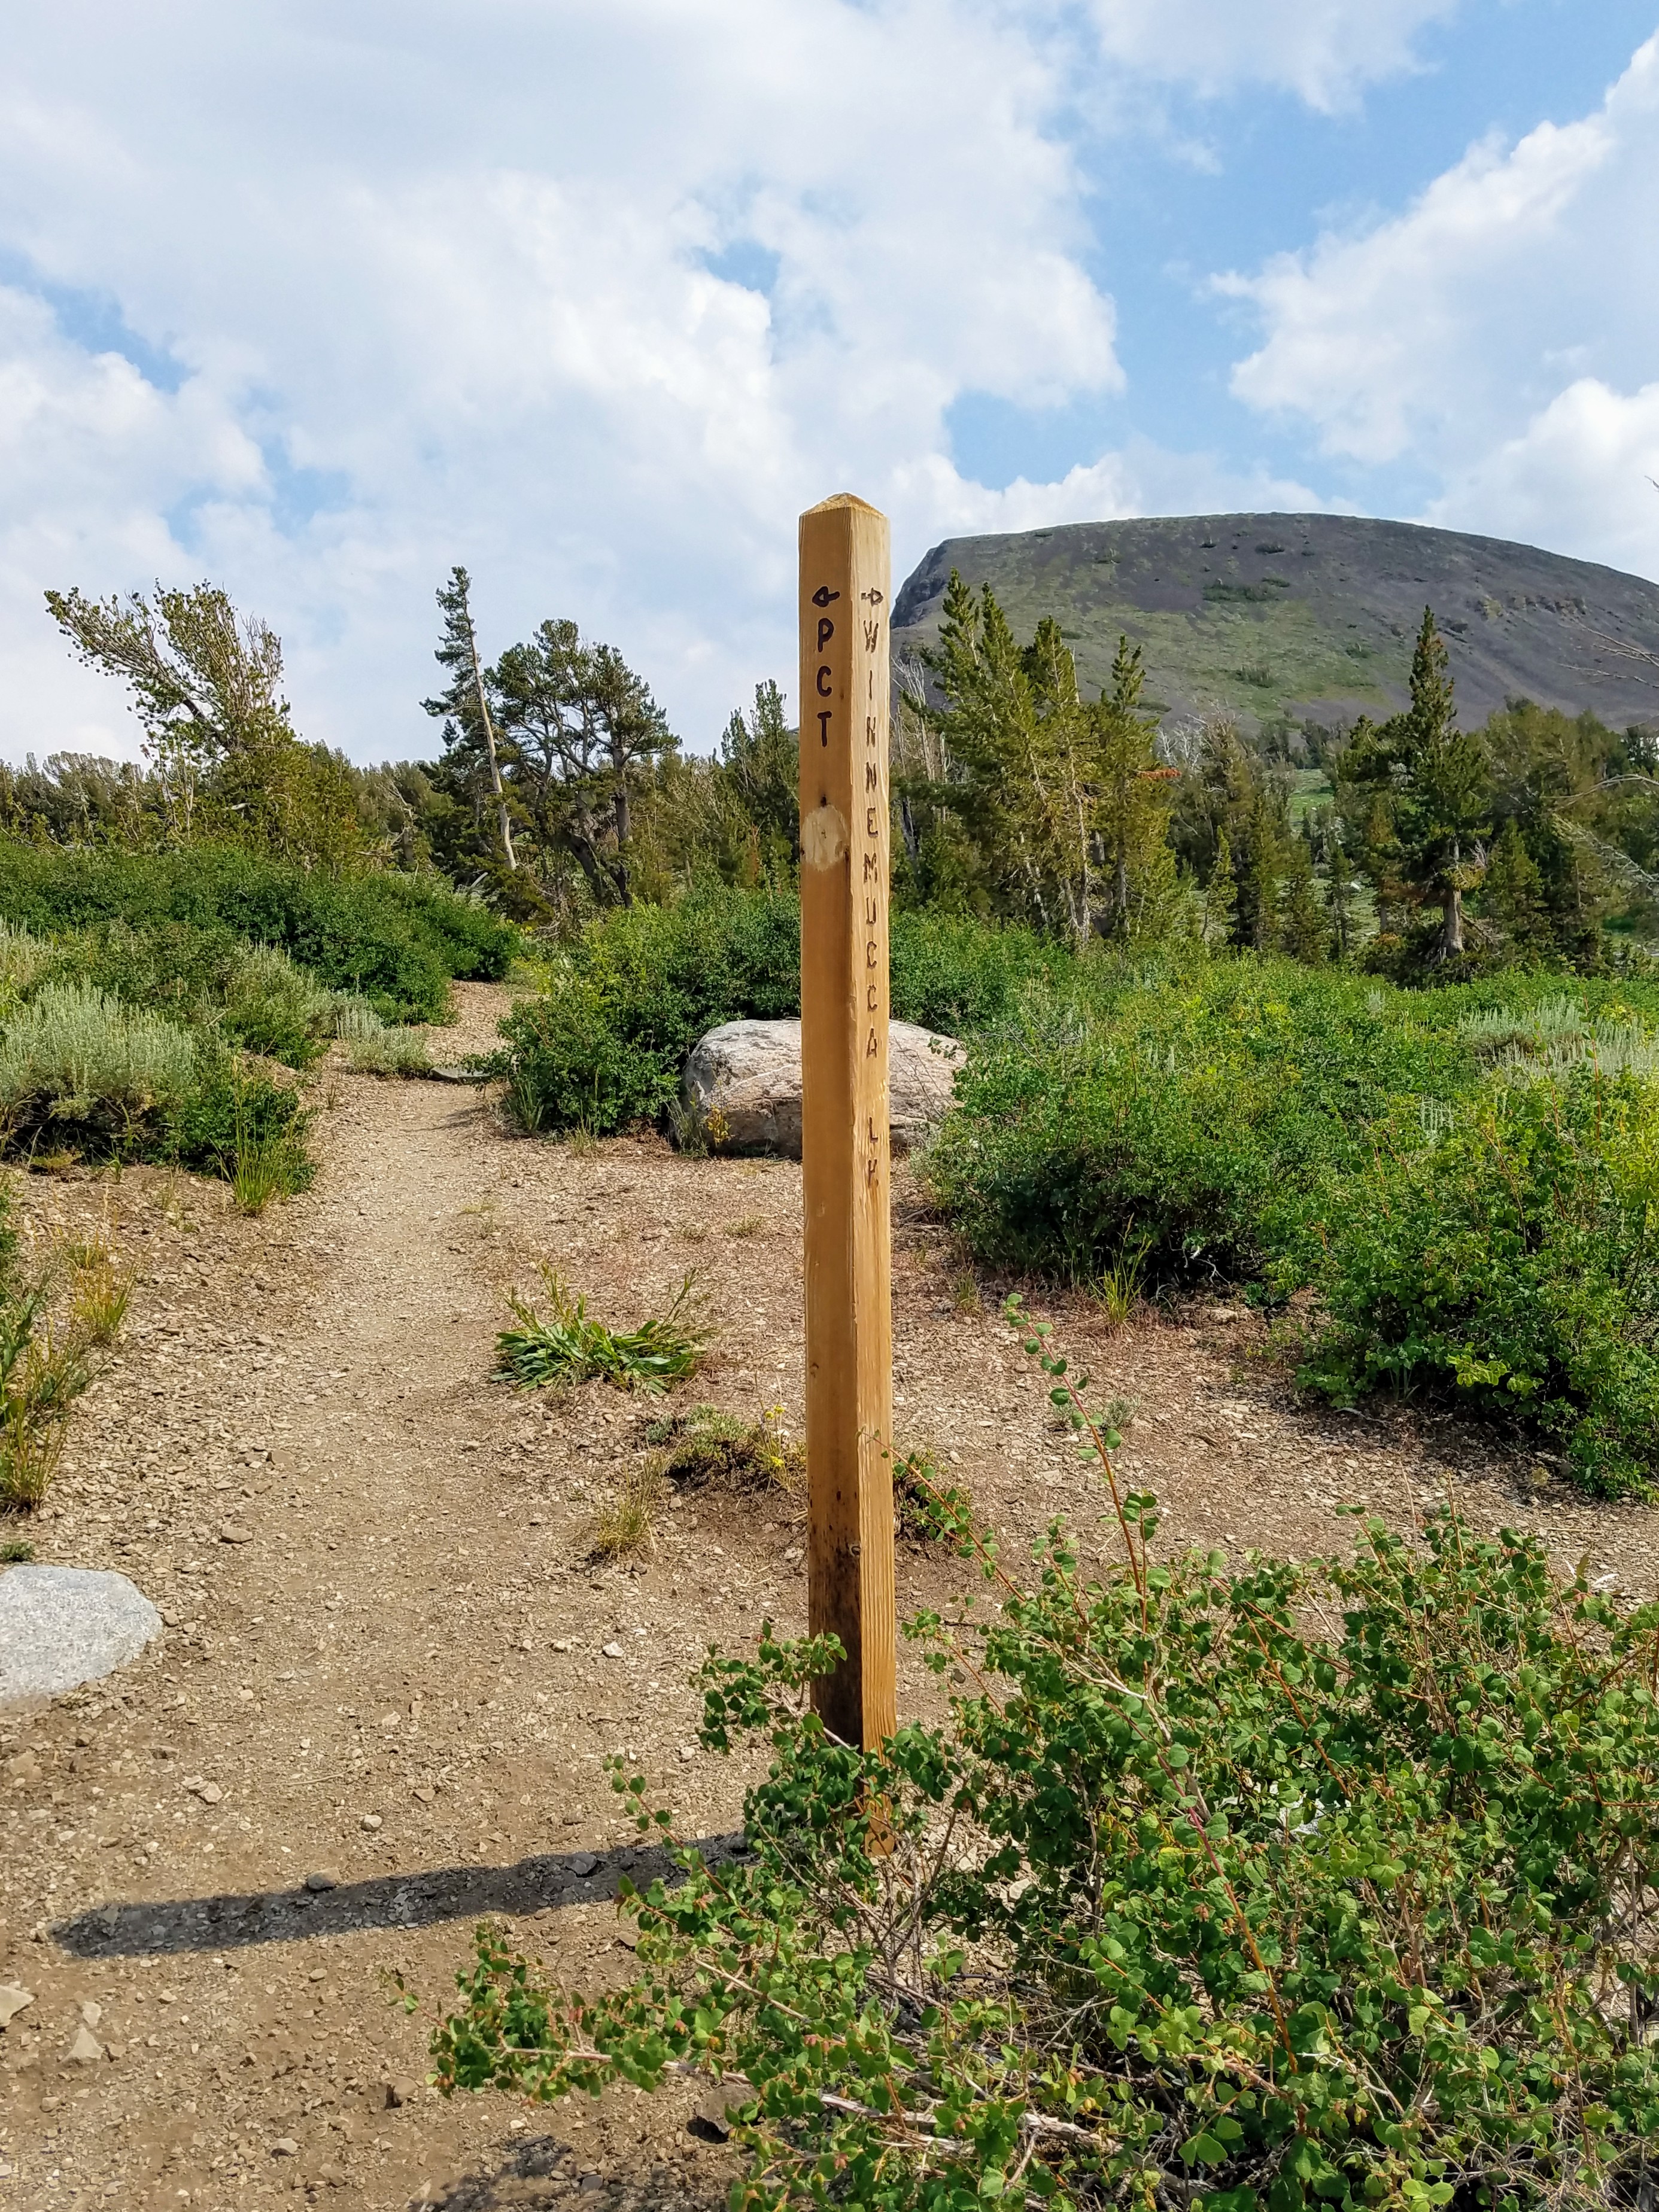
(386, 1664)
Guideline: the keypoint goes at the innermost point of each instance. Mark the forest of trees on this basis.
(558, 790)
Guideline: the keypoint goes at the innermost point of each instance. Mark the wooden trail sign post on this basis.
(845, 841)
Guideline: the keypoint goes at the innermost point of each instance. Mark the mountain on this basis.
(1310, 618)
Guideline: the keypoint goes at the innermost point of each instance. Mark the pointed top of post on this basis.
(842, 499)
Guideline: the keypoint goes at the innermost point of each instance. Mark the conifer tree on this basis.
(1130, 808)
(1221, 896)
(1302, 926)
(1513, 893)
(1435, 782)
(1258, 874)
(464, 707)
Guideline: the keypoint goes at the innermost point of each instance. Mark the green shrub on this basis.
(1330, 1883)
(237, 1119)
(1512, 1260)
(607, 1043)
(395, 939)
(375, 1048)
(254, 995)
(1188, 1128)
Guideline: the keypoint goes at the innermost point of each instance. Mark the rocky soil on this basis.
(390, 1675)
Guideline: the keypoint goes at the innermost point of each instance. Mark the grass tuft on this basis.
(566, 1345)
(626, 1529)
(43, 1371)
(16, 1551)
(1119, 1283)
(99, 1288)
(717, 1452)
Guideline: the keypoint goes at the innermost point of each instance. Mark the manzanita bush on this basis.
(1331, 1880)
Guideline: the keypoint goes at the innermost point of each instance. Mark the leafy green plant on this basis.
(1316, 1883)
(563, 1344)
(605, 1042)
(16, 1551)
(927, 1507)
(236, 1114)
(1510, 1263)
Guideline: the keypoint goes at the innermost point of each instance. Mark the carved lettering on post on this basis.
(845, 1119)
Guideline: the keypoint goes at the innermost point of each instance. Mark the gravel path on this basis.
(385, 1668)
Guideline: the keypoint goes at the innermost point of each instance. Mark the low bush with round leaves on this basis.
(1259, 1885)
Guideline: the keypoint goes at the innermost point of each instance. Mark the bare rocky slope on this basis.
(1311, 617)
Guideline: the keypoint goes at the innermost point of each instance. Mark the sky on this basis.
(596, 296)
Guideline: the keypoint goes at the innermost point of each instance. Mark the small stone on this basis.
(210, 1793)
(317, 1883)
(712, 2119)
(424, 1792)
(400, 2091)
(561, 1644)
(582, 1865)
(114, 2049)
(330, 2175)
(86, 2049)
(285, 2147)
(236, 1532)
(371, 1821)
(92, 2011)
(14, 1998)
(688, 1750)
(613, 1651)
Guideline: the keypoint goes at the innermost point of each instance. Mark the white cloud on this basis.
(593, 294)
(1584, 473)
(1500, 335)
(1323, 50)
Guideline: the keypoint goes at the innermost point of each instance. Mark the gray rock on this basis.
(748, 1073)
(60, 1626)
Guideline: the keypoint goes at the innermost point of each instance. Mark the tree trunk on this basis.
(502, 818)
(619, 768)
(1451, 926)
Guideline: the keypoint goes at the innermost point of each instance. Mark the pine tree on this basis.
(1513, 893)
(1130, 805)
(1302, 925)
(1221, 896)
(464, 707)
(1435, 781)
(1258, 874)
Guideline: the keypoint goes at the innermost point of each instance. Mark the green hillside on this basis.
(1310, 618)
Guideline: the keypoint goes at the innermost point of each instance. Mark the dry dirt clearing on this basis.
(388, 1667)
